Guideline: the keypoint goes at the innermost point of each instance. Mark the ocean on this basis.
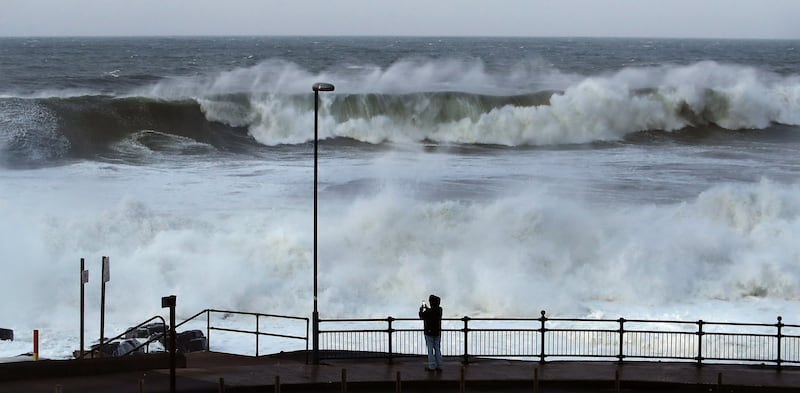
(596, 178)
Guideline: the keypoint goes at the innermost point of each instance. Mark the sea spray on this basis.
(598, 178)
(597, 108)
(387, 248)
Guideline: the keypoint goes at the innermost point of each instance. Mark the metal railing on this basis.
(145, 345)
(231, 322)
(545, 339)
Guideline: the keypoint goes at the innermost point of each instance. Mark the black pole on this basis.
(621, 354)
(83, 309)
(699, 343)
(543, 319)
(315, 314)
(466, 338)
(173, 346)
(170, 301)
(780, 336)
(102, 306)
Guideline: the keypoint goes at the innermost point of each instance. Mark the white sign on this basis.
(106, 269)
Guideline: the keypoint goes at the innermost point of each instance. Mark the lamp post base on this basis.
(315, 337)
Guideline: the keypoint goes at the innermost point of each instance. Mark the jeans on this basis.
(434, 344)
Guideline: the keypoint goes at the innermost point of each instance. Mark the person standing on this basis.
(432, 321)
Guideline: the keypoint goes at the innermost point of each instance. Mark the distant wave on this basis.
(241, 107)
(38, 131)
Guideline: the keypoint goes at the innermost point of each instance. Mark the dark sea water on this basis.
(588, 177)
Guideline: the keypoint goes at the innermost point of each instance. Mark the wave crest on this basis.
(598, 108)
(532, 106)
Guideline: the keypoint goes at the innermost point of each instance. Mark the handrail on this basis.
(191, 318)
(541, 338)
(256, 332)
(146, 343)
(150, 339)
(569, 338)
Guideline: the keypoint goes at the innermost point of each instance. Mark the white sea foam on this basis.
(511, 255)
(589, 108)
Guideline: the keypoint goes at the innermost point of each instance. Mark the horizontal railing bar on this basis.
(549, 319)
(740, 360)
(254, 332)
(737, 334)
(232, 330)
(281, 335)
(385, 330)
(191, 318)
(256, 314)
(512, 330)
(384, 320)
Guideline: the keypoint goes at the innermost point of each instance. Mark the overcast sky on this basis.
(563, 18)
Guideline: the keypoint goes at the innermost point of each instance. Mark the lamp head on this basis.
(322, 86)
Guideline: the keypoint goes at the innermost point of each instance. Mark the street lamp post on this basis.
(317, 87)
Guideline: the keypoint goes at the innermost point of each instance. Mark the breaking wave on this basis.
(449, 102)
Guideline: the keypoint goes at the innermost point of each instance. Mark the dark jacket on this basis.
(432, 317)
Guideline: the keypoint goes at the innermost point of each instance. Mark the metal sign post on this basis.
(84, 280)
(169, 302)
(106, 277)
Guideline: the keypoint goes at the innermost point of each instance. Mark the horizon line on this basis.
(37, 36)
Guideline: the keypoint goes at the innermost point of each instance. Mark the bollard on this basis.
(719, 382)
(461, 383)
(221, 385)
(277, 384)
(58, 389)
(616, 381)
(536, 380)
(344, 380)
(397, 384)
(35, 345)
(141, 386)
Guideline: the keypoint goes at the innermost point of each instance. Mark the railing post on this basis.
(390, 331)
(466, 344)
(307, 341)
(780, 336)
(208, 329)
(700, 343)
(542, 329)
(621, 355)
(257, 334)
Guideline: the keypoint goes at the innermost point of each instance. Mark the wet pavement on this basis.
(216, 372)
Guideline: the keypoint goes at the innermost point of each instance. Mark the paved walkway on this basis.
(207, 372)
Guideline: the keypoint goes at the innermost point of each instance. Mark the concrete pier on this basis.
(215, 372)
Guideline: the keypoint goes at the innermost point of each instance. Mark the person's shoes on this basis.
(429, 369)
(438, 369)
